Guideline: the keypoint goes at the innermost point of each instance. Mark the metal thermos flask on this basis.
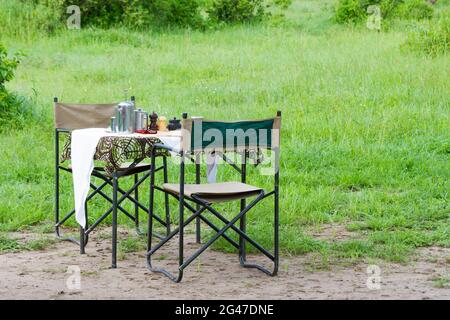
(141, 120)
(125, 117)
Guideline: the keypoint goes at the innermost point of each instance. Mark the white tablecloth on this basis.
(83, 146)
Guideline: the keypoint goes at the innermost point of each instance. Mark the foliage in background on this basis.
(7, 67)
(431, 37)
(145, 14)
(242, 11)
(354, 11)
(415, 10)
(26, 19)
(130, 13)
(13, 108)
(180, 13)
(233, 11)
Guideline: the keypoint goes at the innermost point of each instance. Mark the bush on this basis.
(389, 7)
(352, 11)
(129, 13)
(432, 38)
(182, 13)
(239, 11)
(234, 11)
(7, 67)
(13, 109)
(349, 11)
(415, 9)
(31, 16)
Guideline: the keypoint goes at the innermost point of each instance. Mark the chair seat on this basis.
(215, 192)
(124, 169)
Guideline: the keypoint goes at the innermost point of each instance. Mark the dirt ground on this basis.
(44, 275)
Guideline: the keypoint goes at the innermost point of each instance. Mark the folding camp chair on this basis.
(242, 137)
(80, 116)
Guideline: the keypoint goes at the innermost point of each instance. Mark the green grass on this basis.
(441, 283)
(129, 245)
(365, 133)
(10, 244)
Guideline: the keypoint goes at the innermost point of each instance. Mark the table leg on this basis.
(114, 222)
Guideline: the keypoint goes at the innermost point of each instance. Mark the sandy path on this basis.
(43, 275)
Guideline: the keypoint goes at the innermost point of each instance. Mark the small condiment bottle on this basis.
(153, 121)
(162, 123)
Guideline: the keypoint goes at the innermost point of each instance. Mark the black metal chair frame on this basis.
(197, 213)
(131, 194)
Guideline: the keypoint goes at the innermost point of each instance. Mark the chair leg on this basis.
(61, 221)
(274, 257)
(220, 233)
(180, 228)
(150, 217)
(57, 203)
(229, 224)
(127, 195)
(136, 196)
(114, 222)
(56, 182)
(198, 236)
(151, 205)
(243, 220)
(166, 197)
(136, 206)
(82, 245)
(83, 237)
(242, 243)
(276, 225)
(181, 232)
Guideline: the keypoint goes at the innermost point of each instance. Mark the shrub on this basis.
(49, 15)
(234, 11)
(389, 7)
(183, 13)
(239, 11)
(432, 38)
(415, 9)
(13, 109)
(7, 67)
(351, 11)
(130, 13)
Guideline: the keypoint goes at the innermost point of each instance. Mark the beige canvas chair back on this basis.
(81, 116)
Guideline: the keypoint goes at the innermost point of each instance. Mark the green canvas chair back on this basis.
(201, 135)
